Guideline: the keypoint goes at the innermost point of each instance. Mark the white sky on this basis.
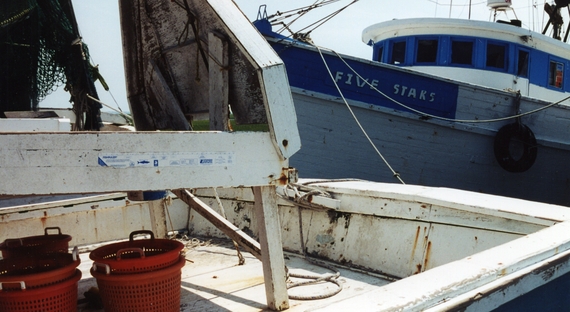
(100, 28)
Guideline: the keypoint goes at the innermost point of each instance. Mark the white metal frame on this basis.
(96, 162)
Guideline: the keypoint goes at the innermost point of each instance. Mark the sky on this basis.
(99, 27)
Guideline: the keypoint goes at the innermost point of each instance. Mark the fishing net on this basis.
(40, 50)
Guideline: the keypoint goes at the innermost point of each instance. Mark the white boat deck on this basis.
(212, 280)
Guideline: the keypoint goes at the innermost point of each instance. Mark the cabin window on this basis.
(462, 52)
(380, 54)
(398, 53)
(522, 67)
(496, 55)
(556, 74)
(426, 51)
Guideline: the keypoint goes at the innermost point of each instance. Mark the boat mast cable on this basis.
(394, 173)
(299, 11)
(318, 23)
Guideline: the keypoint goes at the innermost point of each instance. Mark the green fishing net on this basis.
(40, 50)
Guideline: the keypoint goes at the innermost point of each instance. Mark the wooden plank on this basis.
(31, 114)
(158, 218)
(244, 240)
(271, 72)
(271, 246)
(476, 273)
(279, 103)
(219, 109)
(165, 97)
(81, 162)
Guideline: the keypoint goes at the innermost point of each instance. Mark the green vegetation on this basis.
(204, 125)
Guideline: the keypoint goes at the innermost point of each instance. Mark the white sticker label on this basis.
(133, 160)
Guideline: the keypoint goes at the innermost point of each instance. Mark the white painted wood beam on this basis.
(271, 71)
(219, 82)
(90, 162)
(271, 248)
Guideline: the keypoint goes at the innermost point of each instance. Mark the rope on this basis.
(313, 279)
(316, 279)
(195, 242)
(302, 11)
(394, 173)
(241, 260)
(128, 118)
(166, 202)
(304, 199)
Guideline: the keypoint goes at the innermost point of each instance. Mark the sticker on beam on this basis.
(134, 160)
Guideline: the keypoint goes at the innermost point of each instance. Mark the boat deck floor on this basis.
(212, 280)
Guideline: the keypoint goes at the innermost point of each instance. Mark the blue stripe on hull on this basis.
(306, 70)
(552, 297)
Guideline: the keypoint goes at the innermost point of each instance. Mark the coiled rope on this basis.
(315, 279)
(312, 279)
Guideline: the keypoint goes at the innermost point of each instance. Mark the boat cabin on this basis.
(496, 55)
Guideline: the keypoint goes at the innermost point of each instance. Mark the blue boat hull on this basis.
(410, 123)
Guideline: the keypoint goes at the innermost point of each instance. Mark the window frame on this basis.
(551, 79)
(417, 49)
(393, 43)
(505, 60)
(473, 51)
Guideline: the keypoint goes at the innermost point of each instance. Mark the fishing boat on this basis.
(474, 105)
(376, 246)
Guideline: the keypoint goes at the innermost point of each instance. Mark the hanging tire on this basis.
(519, 132)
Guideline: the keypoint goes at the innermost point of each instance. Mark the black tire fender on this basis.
(522, 133)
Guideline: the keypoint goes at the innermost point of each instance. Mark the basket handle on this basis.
(130, 250)
(104, 265)
(22, 284)
(140, 232)
(75, 253)
(9, 242)
(52, 228)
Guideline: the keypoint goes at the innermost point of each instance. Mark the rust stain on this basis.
(425, 236)
(283, 179)
(418, 268)
(424, 206)
(428, 254)
(44, 219)
(415, 242)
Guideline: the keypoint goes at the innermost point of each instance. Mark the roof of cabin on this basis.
(460, 27)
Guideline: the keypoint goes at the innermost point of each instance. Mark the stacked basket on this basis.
(38, 274)
(139, 275)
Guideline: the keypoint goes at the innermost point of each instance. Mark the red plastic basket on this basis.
(60, 297)
(137, 256)
(32, 245)
(33, 272)
(151, 291)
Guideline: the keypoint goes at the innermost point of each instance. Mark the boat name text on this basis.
(400, 90)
